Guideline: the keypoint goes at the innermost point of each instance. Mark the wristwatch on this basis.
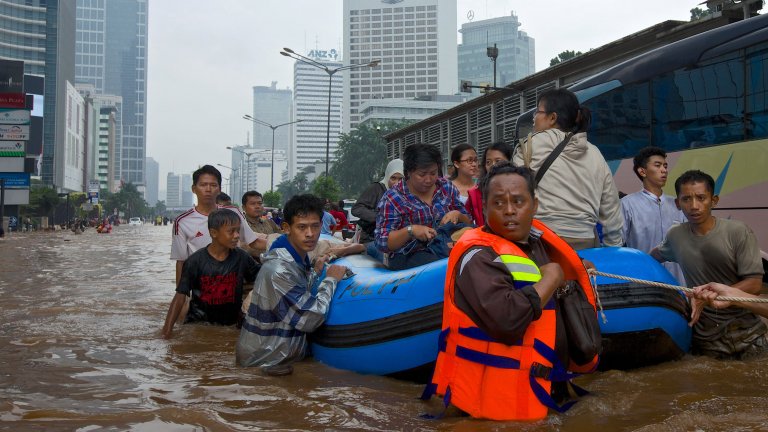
(409, 228)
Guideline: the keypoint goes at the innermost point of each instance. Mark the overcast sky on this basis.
(204, 57)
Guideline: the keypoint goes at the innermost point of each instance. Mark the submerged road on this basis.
(80, 351)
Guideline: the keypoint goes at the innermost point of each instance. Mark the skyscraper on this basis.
(111, 54)
(516, 51)
(153, 180)
(24, 38)
(310, 104)
(173, 191)
(273, 106)
(416, 42)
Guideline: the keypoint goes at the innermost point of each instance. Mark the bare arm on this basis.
(177, 304)
(751, 285)
(179, 266)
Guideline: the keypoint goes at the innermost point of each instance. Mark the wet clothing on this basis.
(365, 210)
(340, 218)
(577, 191)
(399, 208)
(727, 254)
(216, 287)
(647, 218)
(190, 232)
(283, 308)
(260, 225)
(328, 222)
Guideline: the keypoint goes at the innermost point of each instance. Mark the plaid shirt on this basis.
(398, 208)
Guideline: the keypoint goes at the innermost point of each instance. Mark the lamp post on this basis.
(247, 165)
(274, 128)
(232, 183)
(306, 60)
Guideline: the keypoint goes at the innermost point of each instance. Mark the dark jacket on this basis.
(365, 209)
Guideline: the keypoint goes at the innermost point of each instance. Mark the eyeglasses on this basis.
(470, 161)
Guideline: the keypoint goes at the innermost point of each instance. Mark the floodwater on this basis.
(79, 351)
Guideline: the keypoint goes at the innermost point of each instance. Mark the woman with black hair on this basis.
(465, 170)
(410, 211)
(576, 192)
(493, 154)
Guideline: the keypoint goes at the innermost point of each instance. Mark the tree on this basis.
(42, 201)
(699, 13)
(326, 188)
(299, 184)
(159, 208)
(563, 56)
(361, 156)
(272, 199)
(127, 200)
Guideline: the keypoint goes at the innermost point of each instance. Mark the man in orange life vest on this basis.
(498, 353)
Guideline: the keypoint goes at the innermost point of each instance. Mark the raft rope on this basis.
(594, 273)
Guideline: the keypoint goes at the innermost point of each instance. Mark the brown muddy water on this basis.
(79, 351)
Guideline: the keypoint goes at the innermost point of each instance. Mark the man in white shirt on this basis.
(190, 229)
(649, 213)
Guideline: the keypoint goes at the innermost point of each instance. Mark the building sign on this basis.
(12, 100)
(11, 76)
(14, 132)
(11, 117)
(16, 180)
(328, 55)
(12, 149)
(93, 186)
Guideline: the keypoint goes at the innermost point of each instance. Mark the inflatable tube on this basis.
(386, 322)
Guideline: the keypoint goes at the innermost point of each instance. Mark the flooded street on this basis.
(79, 328)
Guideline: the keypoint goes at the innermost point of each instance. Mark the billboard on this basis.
(14, 132)
(13, 100)
(15, 180)
(12, 149)
(14, 117)
(11, 76)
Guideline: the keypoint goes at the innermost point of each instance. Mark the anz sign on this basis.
(331, 54)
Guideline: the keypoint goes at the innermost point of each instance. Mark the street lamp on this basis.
(306, 60)
(247, 165)
(232, 183)
(273, 127)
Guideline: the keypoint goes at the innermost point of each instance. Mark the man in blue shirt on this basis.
(649, 213)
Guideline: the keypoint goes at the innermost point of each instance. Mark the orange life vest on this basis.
(486, 378)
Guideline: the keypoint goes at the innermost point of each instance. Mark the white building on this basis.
(261, 168)
(416, 42)
(415, 109)
(310, 104)
(74, 147)
(272, 105)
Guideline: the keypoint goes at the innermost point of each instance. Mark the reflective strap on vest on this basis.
(522, 269)
(556, 373)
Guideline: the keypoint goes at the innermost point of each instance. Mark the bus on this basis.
(704, 100)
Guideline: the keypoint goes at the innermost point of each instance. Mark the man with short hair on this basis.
(213, 277)
(711, 249)
(649, 213)
(253, 205)
(283, 308)
(190, 229)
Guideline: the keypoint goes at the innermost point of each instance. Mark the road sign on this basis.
(16, 180)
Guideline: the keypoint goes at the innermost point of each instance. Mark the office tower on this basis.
(310, 104)
(173, 191)
(22, 33)
(187, 197)
(516, 51)
(273, 106)
(111, 55)
(102, 132)
(416, 42)
(153, 180)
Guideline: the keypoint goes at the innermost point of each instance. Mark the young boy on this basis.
(711, 249)
(649, 213)
(213, 276)
(190, 232)
(283, 309)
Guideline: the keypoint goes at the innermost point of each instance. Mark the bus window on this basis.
(699, 107)
(757, 93)
(620, 121)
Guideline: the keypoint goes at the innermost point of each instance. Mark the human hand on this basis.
(423, 233)
(335, 271)
(709, 292)
(552, 273)
(451, 216)
(589, 265)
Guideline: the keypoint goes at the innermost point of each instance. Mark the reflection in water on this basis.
(79, 322)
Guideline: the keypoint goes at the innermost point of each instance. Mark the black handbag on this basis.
(580, 322)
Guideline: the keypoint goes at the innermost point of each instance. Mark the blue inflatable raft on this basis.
(386, 322)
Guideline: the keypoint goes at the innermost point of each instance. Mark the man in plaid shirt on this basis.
(410, 210)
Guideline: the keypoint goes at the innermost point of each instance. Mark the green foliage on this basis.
(128, 200)
(299, 184)
(42, 201)
(361, 156)
(563, 56)
(326, 187)
(699, 13)
(159, 208)
(272, 199)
